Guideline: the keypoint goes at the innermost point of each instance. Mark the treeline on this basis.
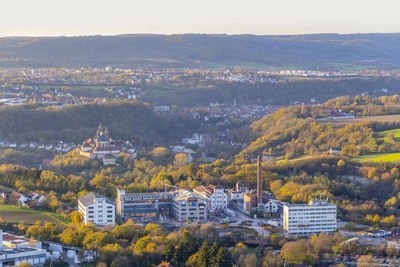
(201, 50)
(190, 93)
(126, 120)
(30, 179)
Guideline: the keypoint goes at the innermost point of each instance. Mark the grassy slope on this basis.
(395, 132)
(15, 214)
(384, 157)
(381, 118)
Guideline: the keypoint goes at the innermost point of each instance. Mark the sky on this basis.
(112, 17)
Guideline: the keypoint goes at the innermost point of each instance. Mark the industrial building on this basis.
(216, 197)
(146, 205)
(17, 249)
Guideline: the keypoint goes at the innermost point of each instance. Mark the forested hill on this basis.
(294, 131)
(126, 120)
(201, 50)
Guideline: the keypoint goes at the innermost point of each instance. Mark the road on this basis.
(255, 223)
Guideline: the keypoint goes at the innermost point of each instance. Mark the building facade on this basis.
(18, 249)
(216, 197)
(96, 209)
(188, 206)
(307, 219)
(99, 147)
(146, 205)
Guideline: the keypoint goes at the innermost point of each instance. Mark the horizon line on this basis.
(191, 33)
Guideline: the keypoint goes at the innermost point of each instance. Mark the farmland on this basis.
(15, 214)
(382, 118)
(384, 157)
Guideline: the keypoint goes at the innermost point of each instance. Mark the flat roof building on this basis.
(96, 209)
(307, 219)
(145, 205)
(188, 206)
(17, 249)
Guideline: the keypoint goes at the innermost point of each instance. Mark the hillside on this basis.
(292, 133)
(127, 120)
(200, 50)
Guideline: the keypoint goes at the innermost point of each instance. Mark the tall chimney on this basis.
(259, 182)
(1, 239)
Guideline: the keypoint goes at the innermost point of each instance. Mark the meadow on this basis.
(384, 157)
(382, 118)
(16, 214)
(395, 132)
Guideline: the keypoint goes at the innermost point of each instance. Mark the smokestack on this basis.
(259, 182)
(1, 239)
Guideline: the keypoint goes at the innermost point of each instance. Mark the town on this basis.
(199, 134)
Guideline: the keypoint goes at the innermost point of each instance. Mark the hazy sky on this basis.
(109, 17)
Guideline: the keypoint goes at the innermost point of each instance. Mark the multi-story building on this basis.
(216, 197)
(188, 206)
(268, 204)
(249, 201)
(307, 219)
(18, 249)
(134, 205)
(96, 209)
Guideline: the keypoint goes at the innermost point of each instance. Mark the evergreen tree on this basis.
(204, 258)
(169, 252)
(223, 258)
(186, 248)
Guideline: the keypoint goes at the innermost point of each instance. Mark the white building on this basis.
(96, 209)
(269, 205)
(194, 140)
(215, 196)
(308, 219)
(17, 249)
(188, 206)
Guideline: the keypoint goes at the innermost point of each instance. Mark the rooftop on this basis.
(90, 198)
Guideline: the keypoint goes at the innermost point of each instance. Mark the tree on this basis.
(186, 248)
(341, 163)
(223, 258)
(249, 259)
(96, 240)
(76, 217)
(365, 261)
(298, 252)
(204, 255)
(272, 260)
(169, 252)
(129, 231)
(120, 261)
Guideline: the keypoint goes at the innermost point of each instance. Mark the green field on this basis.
(380, 118)
(15, 214)
(395, 132)
(304, 157)
(386, 157)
